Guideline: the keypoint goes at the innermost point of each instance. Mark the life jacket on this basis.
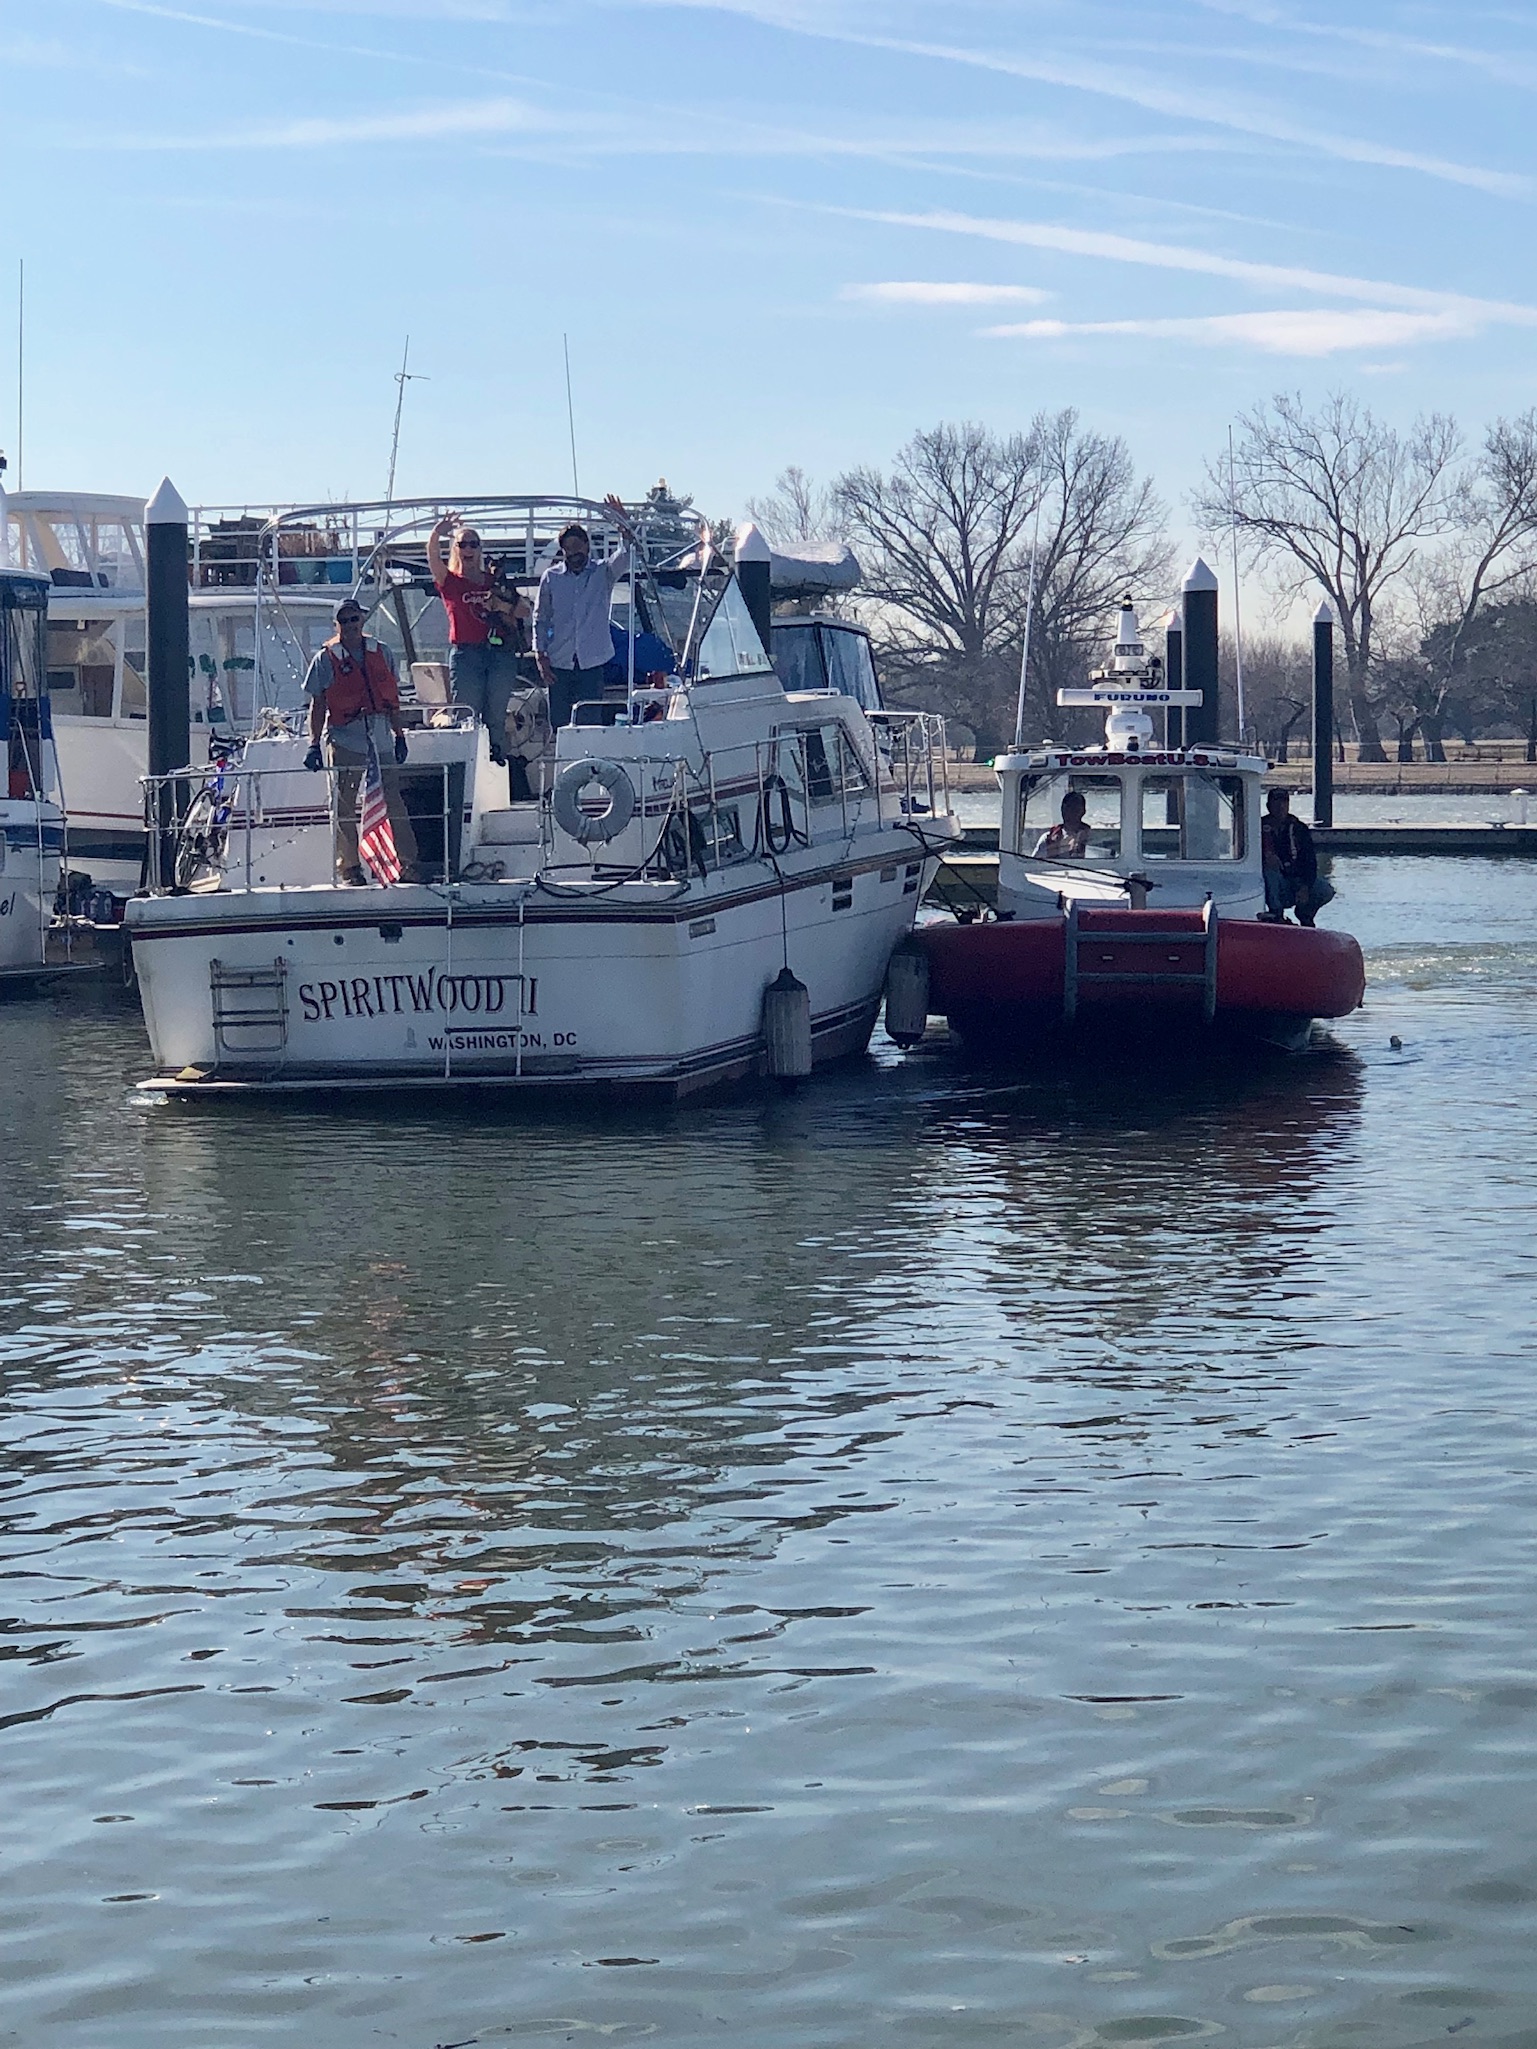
(357, 687)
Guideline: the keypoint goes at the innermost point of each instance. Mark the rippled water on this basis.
(936, 1560)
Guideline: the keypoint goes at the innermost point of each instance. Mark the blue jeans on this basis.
(1280, 892)
(571, 687)
(483, 677)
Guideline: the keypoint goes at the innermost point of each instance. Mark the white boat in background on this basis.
(31, 816)
(253, 630)
(630, 929)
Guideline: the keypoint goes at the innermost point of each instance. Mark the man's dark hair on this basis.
(574, 532)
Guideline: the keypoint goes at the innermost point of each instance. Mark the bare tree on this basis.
(795, 510)
(946, 540)
(943, 539)
(1278, 688)
(1490, 558)
(1103, 533)
(1337, 499)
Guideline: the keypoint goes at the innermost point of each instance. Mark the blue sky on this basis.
(775, 230)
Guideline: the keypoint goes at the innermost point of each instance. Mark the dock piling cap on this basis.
(1199, 576)
(167, 507)
(750, 544)
(1324, 616)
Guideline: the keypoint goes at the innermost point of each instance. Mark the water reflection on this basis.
(912, 1560)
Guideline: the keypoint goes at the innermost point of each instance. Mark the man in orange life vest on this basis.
(354, 697)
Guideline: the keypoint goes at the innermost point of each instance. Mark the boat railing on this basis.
(204, 823)
(911, 744)
(194, 818)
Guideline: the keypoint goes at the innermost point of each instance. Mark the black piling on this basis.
(170, 654)
(1323, 715)
(1203, 721)
(1174, 673)
(754, 572)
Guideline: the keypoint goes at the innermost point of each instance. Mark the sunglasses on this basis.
(469, 547)
(349, 618)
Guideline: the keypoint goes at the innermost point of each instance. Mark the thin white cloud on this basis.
(421, 124)
(917, 293)
(609, 126)
(1210, 105)
(1311, 331)
(1508, 67)
(1175, 256)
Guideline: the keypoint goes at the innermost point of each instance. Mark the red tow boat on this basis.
(1086, 837)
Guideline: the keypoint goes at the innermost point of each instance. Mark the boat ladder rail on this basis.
(1113, 928)
(252, 1004)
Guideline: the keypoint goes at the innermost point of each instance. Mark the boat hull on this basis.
(1004, 986)
(30, 841)
(659, 993)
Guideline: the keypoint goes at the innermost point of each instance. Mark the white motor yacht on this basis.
(701, 833)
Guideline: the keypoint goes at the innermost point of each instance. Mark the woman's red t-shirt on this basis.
(463, 602)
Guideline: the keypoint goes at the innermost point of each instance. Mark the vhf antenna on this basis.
(576, 489)
(403, 376)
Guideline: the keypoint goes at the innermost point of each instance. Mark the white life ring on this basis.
(606, 824)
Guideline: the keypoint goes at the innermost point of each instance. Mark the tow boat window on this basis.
(1040, 808)
(1193, 818)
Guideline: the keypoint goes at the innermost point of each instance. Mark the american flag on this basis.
(376, 840)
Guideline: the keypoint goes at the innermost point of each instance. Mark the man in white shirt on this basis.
(572, 643)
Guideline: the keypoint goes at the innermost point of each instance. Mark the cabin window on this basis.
(133, 700)
(798, 658)
(1040, 810)
(1193, 818)
(832, 766)
(849, 665)
(82, 667)
(425, 619)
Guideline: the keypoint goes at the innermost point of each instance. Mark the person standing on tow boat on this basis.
(1068, 841)
(1290, 864)
(354, 698)
(572, 643)
(481, 670)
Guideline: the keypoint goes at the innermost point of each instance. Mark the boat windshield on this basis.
(730, 645)
(21, 671)
(813, 654)
(78, 549)
(1192, 818)
(1040, 810)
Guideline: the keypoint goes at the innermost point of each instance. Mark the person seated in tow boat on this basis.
(354, 700)
(1068, 840)
(1290, 864)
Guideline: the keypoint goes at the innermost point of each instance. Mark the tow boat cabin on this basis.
(1163, 826)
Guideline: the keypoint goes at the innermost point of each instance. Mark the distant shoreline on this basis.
(1365, 778)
